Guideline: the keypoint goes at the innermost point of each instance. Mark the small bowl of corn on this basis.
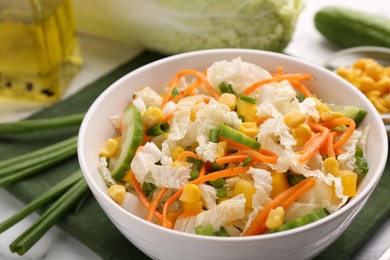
(368, 69)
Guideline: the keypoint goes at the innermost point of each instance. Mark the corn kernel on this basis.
(117, 193)
(366, 84)
(192, 116)
(362, 63)
(127, 177)
(384, 84)
(247, 110)
(302, 134)
(294, 118)
(249, 128)
(228, 99)
(374, 71)
(110, 148)
(321, 107)
(191, 193)
(349, 182)
(152, 116)
(221, 149)
(176, 151)
(247, 188)
(279, 183)
(275, 218)
(331, 165)
(325, 116)
(186, 206)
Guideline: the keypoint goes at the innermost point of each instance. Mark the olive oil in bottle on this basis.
(39, 49)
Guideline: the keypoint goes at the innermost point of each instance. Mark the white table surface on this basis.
(101, 56)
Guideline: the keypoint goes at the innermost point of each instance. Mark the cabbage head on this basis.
(175, 26)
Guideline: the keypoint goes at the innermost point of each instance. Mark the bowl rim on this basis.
(360, 198)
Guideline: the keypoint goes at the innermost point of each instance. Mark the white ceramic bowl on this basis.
(161, 243)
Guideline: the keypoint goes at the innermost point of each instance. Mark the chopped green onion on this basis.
(222, 192)
(158, 129)
(238, 137)
(148, 188)
(217, 167)
(247, 161)
(248, 99)
(218, 183)
(194, 174)
(196, 164)
(226, 87)
(26, 240)
(300, 97)
(294, 179)
(29, 125)
(206, 230)
(175, 92)
(222, 232)
(358, 152)
(41, 200)
(214, 135)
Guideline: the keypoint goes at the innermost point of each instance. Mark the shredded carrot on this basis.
(231, 159)
(142, 197)
(202, 170)
(188, 91)
(341, 121)
(153, 206)
(167, 117)
(276, 78)
(302, 88)
(314, 147)
(261, 155)
(196, 73)
(261, 120)
(284, 199)
(329, 145)
(183, 155)
(190, 213)
(209, 177)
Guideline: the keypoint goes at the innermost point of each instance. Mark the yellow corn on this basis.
(249, 128)
(185, 206)
(247, 110)
(279, 183)
(152, 116)
(331, 165)
(158, 140)
(325, 116)
(110, 148)
(275, 218)
(349, 182)
(192, 116)
(321, 107)
(228, 99)
(372, 79)
(117, 193)
(221, 149)
(301, 134)
(247, 188)
(294, 118)
(127, 177)
(176, 151)
(191, 194)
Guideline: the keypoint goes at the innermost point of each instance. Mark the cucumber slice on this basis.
(238, 137)
(354, 113)
(301, 221)
(131, 139)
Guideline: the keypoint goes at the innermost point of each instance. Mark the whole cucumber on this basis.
(350, 28)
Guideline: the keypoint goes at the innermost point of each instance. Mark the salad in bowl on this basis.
(234, 150)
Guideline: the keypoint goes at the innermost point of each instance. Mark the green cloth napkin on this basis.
(93, 228)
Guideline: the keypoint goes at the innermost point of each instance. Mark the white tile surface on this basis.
(101, 57)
